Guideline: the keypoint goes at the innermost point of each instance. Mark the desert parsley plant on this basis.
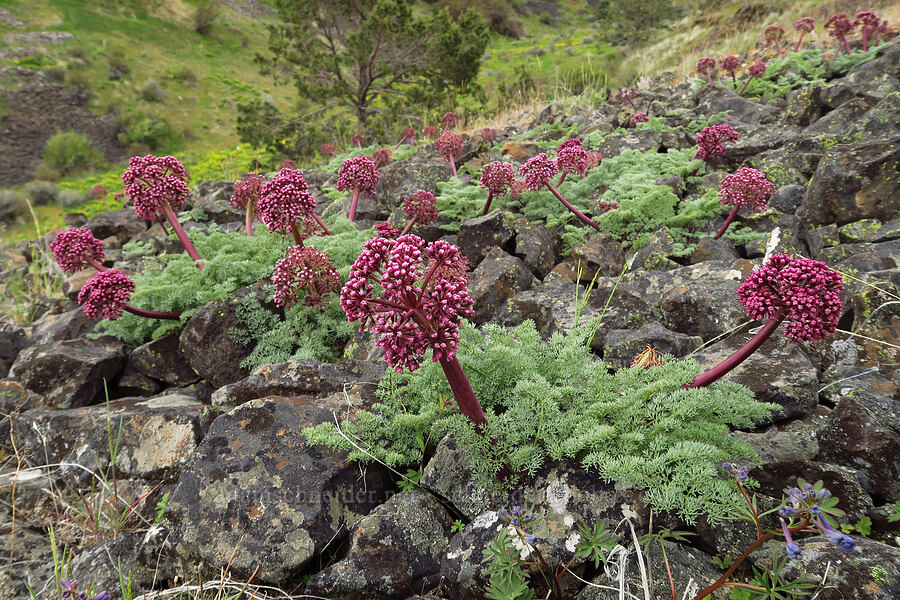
(547, 400)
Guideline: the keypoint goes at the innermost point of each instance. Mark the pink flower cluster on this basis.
(98, 191)
(497, 177)
(408, 136)
(805, 25)
(489, 135)
(421, 206)
(450, 120)
(839, 26)
(746, 188)
(106, 294)
(151, 181)
(328, 150)
(449, 145)
(247, 191)
(72, 248)
(805, 292)
(571, 157)
(705, 66)
(381, 157)
(285, 200)
(386, 231)
(730, 64)
(773, 36)
(626, 96)
(640, 117)
(711, 141)
(304, 268)
(422, 297)
(757, 69)
(537, 171)
(358, 172)
(430, 132)
(357, 139)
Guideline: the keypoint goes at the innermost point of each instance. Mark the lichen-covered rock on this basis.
(537, 246)
(32, 561)
(12, 340)
(402, 178)
(854, 182)
(792, 163)
(870, 230)
(853, 438)
(778, 372)
(214, 199)
(498, 278)
(480, 235)
(392, 551)
(124, 224)
(602, 255)
(133, 383)
(143, 558)
(301, 377)
(620, 346)
(713, 99)
(56, 327)
(206, 342)
(70, 373)
(656, 254)
(875, 393)
(256, 486)
(842, 482)
(161, 359)
(154, 436)
(712, 249)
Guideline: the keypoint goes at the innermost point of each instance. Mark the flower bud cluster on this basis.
(359, 172)
(247, 190)
(72, 248)
(152, 180)
(537, 171)
(105, 295)
(304, 268)
(285, 200)
(422, 206)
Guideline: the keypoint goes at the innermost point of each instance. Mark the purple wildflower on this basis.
(705, 66)
(304, 268)
(359, 174)
(285, 201)
(711, 141)
(450, 147)
(245, 196)
(497, 178)
(76, 249)
(421, 208)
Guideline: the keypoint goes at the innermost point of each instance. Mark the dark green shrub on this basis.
(70, 151)
(152, 92)
(138, 127)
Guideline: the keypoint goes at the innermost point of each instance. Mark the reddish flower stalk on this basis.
(730, 64)
(76, 249)
(286, 200)
(870, 24)
(158, 184)
(408, 136)
(746, 187)
(358, 174)
(450, 146)
(422, 297)
(381, 157)
(497, 178)
(571, 157)
(304, 268)
(805, 293)
(245, 197)
(328, 150)
(711, 141)
(757, 69)
(537, 172)
(706, 66)
(773, 36)
(804, 26)
(627, 95)
(839, 26)
(357, 139)
(106, 295)
(450, 120)
(421, 208)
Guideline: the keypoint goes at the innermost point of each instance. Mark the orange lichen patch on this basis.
(254, 511)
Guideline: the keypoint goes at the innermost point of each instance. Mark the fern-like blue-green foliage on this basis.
(304, 331)
(334, 165)
(797, 69)
(549, 400)
(174, 283)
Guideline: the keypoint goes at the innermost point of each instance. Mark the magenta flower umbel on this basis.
(285, 201)
(450, 120)
(106, 295)
(357, 139)
(839, 26)
(360, 175)
(571, 157)
(245, 196)
(711, 141)
(431, 132)
(626, 96)
(381, 157)
(450, 147)
(407, 136)
(757, 69)
(805, 293)
(773, 36)
(328, 150)
(706, 66)
(488, 134)
(804, 26)
(731, 63)
(746, 188)
(385, 230)
(420, 208)
(640, 117)
(497, 178)
(304, 268)
(415, 297)
(75, 249)
(159, 184)
(537, 172)
(870, 23)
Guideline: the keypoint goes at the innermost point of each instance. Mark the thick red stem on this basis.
(352, 215)
(182, 236)
(728, 221)
(574, 210)
(746, 83)
(799, 42)
(295, 231)
(452, 166)
(463, 392)
(321, 224)
(562, 177)
(248, 219)
(409, 225)
(151, 314)
(487, 205)
(740, 355)
(95, 264)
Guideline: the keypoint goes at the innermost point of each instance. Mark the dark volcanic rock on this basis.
(498, 278)
(256, 485)
(207, 345)
(214, 198)
(300, 378)
(392, 549)
(12, 340)
(710, 249)
(655, 254)
(124, 224)
(620, 346)
(714, 99)
(853, 182)
(403, 178)
(602, 255)
(480, 235)
(855, 440)
(161, 359)
(840, 481)
(70, 373)
(538, 247)
(56, 327)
